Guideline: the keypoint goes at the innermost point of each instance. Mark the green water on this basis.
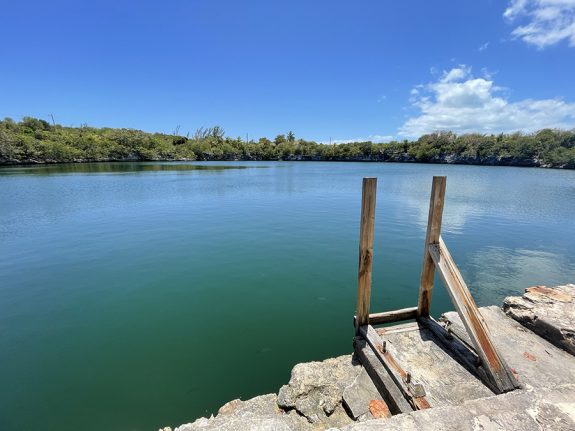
(147, 294)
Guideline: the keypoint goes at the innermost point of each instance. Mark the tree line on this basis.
(34, 140)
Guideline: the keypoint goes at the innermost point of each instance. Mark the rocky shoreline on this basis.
(325, 395)
(446, 159)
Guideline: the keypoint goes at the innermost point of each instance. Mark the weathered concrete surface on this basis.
(545, 409)
(549, 312)
(537, 362)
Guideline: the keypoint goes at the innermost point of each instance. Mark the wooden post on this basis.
(432, 237)
(365, 251)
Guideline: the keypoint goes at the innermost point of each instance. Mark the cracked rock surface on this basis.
(312, 400)
(549, 312)
(259, 413)
(547, 409)
(315, 390)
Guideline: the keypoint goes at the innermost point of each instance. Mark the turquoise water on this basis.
(140, 295)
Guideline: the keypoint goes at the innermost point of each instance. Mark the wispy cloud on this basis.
(483, 47)
(543, 22)
(460, 102)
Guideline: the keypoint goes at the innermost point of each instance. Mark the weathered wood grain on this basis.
(380, 377)
(403, 380)
(400, 327)
(393, 316)
(366, 232)
(432, 236)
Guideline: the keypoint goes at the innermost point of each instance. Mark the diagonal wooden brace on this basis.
(496, 369)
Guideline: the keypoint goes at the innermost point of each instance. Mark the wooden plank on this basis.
(460, 335)
(398, 374)
(432, 236)
(365, 250)
(393, 316)
(400, 327)
(495, 367)
(380, 377)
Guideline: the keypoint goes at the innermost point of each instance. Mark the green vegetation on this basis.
(36, 141)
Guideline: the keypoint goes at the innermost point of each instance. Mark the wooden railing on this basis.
(492, 368)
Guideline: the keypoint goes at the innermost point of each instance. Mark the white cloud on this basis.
(462, 103)
(545, 22)
(455, 74)
(483, 47)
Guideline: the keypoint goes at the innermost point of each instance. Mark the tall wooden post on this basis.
(365, 250)
(432, 237)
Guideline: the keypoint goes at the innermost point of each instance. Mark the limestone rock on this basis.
(315, 390)
(549, 312)
(259, 413)
(230, 407)
(546, 409)
(358, 396)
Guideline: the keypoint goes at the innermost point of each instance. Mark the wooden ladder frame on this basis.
(492, 368)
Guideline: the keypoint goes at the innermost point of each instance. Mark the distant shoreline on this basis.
(491, 161)
(35, 141)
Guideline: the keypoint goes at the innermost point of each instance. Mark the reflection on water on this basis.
(495, 272)
(113, 168)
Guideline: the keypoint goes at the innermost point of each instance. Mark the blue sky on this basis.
(324, 69)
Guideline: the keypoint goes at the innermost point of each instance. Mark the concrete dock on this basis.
(533, 334)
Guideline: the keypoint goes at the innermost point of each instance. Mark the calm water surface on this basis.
(147, 294)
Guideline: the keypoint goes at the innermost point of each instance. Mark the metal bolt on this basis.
(408, 378)
(384, 346)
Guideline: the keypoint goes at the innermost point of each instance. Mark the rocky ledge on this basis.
(337, 394)
(312, 400)
(549, 312)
